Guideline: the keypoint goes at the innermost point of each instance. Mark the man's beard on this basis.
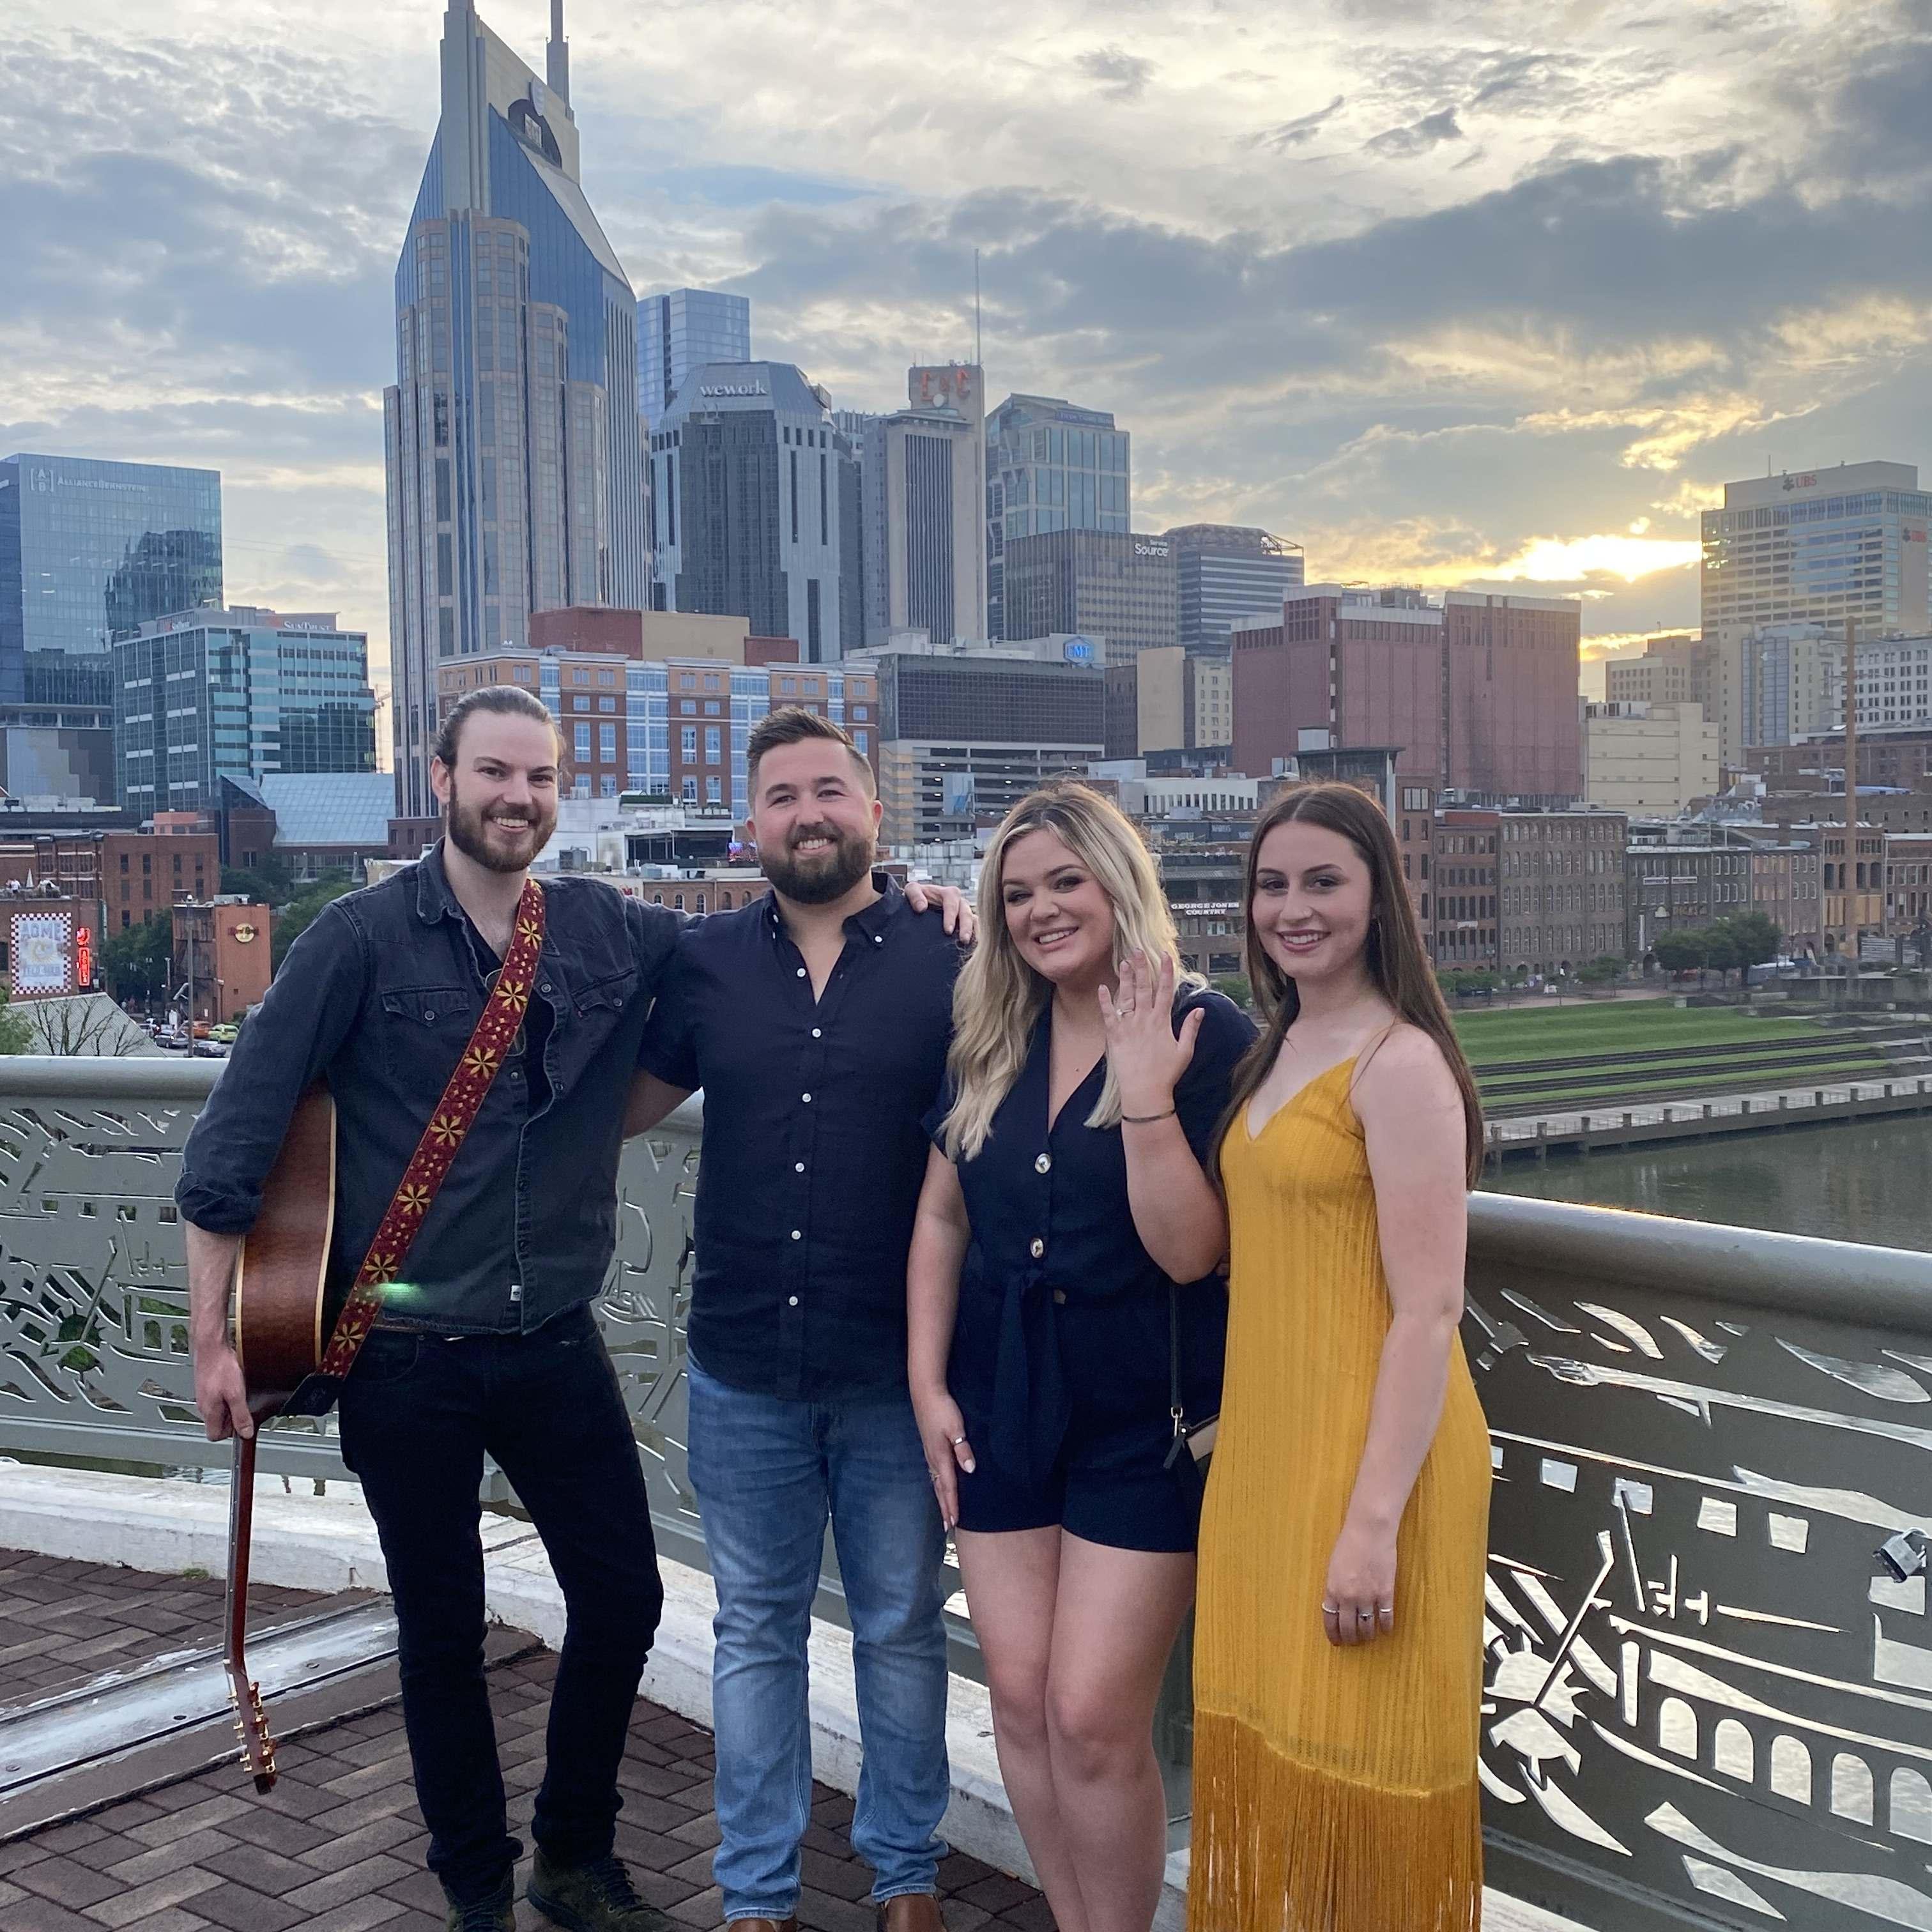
(828, 876)
(468, 834)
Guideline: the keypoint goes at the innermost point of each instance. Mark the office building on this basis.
(673, 729)
(1117, 584)
(222, 956)
(1819, 547)
(1169, 699)
(245, 691)
(1560, 889)
(516, 475)
(681, 330)
(1784, 887)
(967, 732)
(921, 494)
(91, 551)
(749, 496)
(1648, 757)
(1050, 466)
(1798, 682)
(1476, 694)
(1510, 728)
(1357, 666)
(1675, 669)
(1224, 573)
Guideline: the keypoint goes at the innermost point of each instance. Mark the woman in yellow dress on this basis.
(1338, 1642)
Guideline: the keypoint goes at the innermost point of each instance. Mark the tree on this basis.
(136, 962)
(295, 918)
(15, 1036)
(1235, 986)
(1756, 936)
(1682, 952)
(270, 883)
(1721, 950)
(88, 1023)
(1601, 971)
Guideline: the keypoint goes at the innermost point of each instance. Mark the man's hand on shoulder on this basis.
(955, 909)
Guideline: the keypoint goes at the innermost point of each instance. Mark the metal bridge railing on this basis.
(1709, 1694)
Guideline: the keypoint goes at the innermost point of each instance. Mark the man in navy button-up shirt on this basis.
(817, 1022)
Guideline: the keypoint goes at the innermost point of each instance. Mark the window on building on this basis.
(714, 793)
(583, 744)
(607, 744)
(713, 751)
(688, 741)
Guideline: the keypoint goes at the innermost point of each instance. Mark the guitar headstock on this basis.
(251, 1727)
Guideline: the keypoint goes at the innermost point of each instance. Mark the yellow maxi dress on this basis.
(1334, 1790)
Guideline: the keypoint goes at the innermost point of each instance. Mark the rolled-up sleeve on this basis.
(287, 1043)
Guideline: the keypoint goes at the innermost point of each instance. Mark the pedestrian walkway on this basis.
(1608, 1124)
(338, 1845)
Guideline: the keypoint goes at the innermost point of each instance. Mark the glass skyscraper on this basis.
(514, 452)
(90, 551)
(245, 691)
(1050, 466)
(1812, 547)
(681, 330)
(1226, 572)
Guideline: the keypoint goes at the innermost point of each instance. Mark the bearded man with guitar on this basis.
(477, 1035)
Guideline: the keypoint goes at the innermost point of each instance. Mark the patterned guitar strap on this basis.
(436, 1152)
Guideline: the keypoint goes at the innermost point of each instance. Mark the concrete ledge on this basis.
(328, 1543)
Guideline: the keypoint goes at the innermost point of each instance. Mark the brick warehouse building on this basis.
(1478, 693)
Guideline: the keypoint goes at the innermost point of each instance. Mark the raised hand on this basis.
(1146, 1055)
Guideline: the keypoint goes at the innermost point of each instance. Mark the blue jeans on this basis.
(767, 1473)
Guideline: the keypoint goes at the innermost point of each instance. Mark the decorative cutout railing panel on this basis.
(1704, 1683)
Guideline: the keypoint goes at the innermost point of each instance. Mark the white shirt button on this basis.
(815, 1032)
(806, 1098)
(801, 972)
(878, 939)
(792, 1302)
(798, 1167)
(1039, 1248)
(1043, 1163)
(797, 1234)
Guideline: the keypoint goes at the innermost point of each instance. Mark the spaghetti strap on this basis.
(1368, 1053)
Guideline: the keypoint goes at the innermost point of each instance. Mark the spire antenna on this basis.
(556, 55)
(977, 361)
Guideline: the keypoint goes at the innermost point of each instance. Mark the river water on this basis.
(1856, 1181)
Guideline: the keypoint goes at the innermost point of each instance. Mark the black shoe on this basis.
(496, 1913)
(595, 1897)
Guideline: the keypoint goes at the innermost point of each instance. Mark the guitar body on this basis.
(280, 1288)
(279, 1297)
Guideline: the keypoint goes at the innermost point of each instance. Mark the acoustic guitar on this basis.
(280, 1327)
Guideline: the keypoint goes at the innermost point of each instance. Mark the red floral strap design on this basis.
(448, 1123)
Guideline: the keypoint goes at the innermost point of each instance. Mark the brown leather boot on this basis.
(911, 1911)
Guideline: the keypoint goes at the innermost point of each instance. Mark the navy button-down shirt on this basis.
(1062, 1311)
(379, 996)
(813, 1154)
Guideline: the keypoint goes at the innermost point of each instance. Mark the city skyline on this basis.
(1356, 278)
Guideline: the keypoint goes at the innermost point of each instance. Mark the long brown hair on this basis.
(1398, 961)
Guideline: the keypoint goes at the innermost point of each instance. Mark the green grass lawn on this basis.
(1614, 1026)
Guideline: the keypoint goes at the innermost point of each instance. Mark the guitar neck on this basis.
(258, 1748)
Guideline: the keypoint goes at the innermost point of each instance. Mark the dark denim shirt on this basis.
(813, 1152)
(379, 996)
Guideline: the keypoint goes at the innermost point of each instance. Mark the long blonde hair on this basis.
(998, 999)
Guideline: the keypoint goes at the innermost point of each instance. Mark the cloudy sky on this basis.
(1497, 293)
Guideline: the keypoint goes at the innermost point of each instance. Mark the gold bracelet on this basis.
(1146, 1120)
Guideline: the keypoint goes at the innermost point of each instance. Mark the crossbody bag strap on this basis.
(449, 1122)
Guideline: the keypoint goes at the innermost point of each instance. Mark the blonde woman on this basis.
(1062, 1272)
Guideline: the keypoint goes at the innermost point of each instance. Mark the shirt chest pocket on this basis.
(427, 1014)
(598, 1007)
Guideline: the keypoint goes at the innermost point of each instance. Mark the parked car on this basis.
(228, 1032)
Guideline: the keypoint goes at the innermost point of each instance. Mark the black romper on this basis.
(1060, 1351)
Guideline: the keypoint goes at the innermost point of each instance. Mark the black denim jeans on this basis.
(418, 1412)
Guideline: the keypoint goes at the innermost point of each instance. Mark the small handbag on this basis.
(1193, 1442)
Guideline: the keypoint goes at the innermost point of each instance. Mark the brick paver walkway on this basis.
(338, 1845)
